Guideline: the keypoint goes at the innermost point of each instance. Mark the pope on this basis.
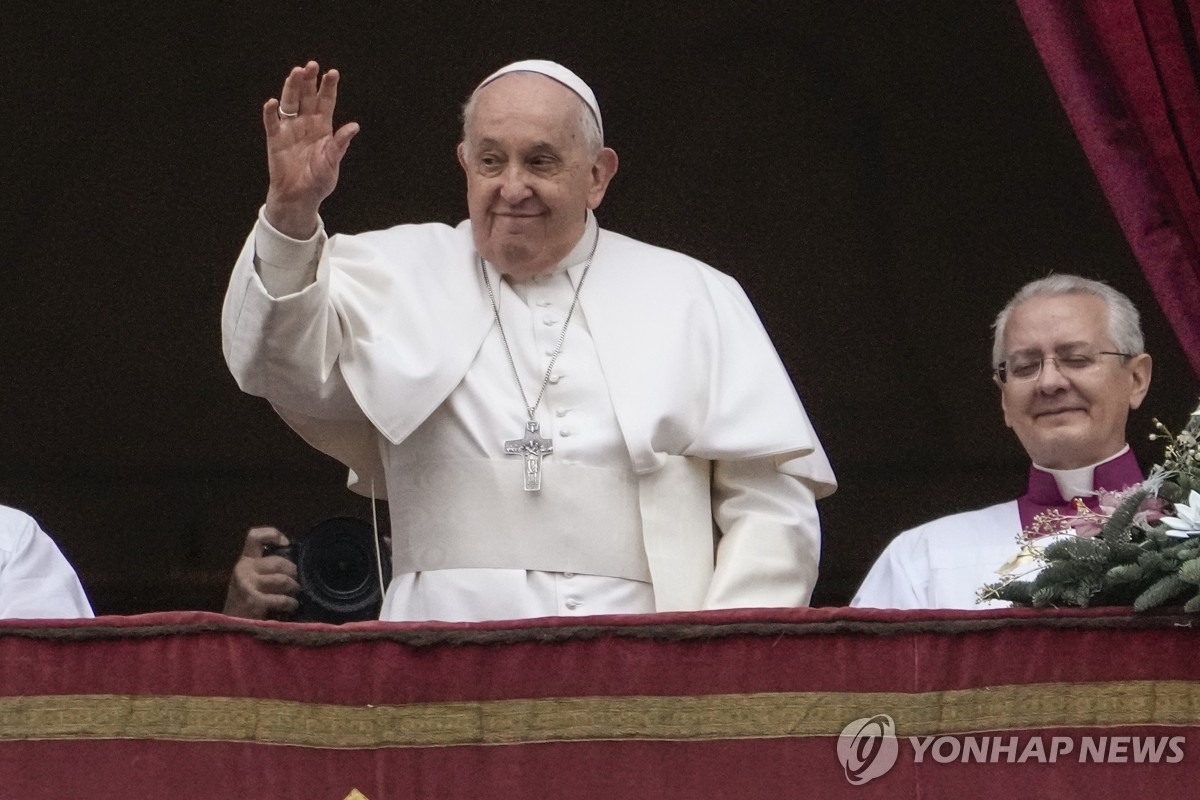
(564, 420)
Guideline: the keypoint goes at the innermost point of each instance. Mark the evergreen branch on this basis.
(1165, 588)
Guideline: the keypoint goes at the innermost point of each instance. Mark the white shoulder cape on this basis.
(403, 312)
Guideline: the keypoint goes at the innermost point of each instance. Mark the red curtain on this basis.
(1127, 74)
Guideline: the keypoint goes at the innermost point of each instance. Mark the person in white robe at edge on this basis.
(1069, 359)
(36, 580)
(557, 414)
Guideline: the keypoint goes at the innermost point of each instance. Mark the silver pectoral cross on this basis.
(532, 447)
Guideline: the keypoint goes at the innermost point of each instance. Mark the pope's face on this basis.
(531, 177)
(1068, 418)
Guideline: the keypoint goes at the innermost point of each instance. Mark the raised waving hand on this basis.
(304, 152)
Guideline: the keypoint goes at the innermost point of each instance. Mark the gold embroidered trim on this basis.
(689, 718)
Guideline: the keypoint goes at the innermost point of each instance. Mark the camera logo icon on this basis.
(868, 748)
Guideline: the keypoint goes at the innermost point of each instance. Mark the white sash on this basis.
(474, 514)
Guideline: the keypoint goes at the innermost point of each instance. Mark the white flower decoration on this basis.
(1186, 521)
(1156, 478)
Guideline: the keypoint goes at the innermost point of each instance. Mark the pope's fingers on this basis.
(309, 79)
(271, 117)
(342, 137)
(327, 92)
(300, 85)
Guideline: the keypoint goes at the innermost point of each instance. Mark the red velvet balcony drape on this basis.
(740, 705)
(1127, 73)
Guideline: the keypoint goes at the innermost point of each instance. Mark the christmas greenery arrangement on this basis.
(1140, 548)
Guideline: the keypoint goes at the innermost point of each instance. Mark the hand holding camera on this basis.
(330, 574)
(263, 585)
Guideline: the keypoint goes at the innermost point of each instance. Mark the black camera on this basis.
(338, 571)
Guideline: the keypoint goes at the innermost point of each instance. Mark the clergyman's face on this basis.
(1069, 418)
(531, 176)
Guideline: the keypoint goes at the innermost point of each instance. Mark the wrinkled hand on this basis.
(304, 153)
(262, 586)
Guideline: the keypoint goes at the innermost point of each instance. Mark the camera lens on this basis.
(342, 565)
(339, 579)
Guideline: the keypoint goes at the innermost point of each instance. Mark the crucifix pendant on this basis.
(532, 447)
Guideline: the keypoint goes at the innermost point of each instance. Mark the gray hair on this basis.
(588, 126)
(1124, 325)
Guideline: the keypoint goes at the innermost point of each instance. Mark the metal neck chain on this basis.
(562, 335)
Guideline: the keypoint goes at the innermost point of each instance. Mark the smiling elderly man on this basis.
(557, 413)
(1069, 359)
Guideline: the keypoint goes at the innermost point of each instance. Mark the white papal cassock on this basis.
(668, 409)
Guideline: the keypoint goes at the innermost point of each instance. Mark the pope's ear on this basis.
(461, 152)
(603, 170)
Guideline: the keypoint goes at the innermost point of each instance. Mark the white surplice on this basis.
(36, 581)
(944, 563)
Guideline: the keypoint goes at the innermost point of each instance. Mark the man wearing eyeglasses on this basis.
(1068, 357)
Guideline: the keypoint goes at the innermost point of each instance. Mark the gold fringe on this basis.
(558, 719)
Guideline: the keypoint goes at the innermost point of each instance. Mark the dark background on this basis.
(880, 176)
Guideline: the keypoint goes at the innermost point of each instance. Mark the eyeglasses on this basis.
(1027, 369)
